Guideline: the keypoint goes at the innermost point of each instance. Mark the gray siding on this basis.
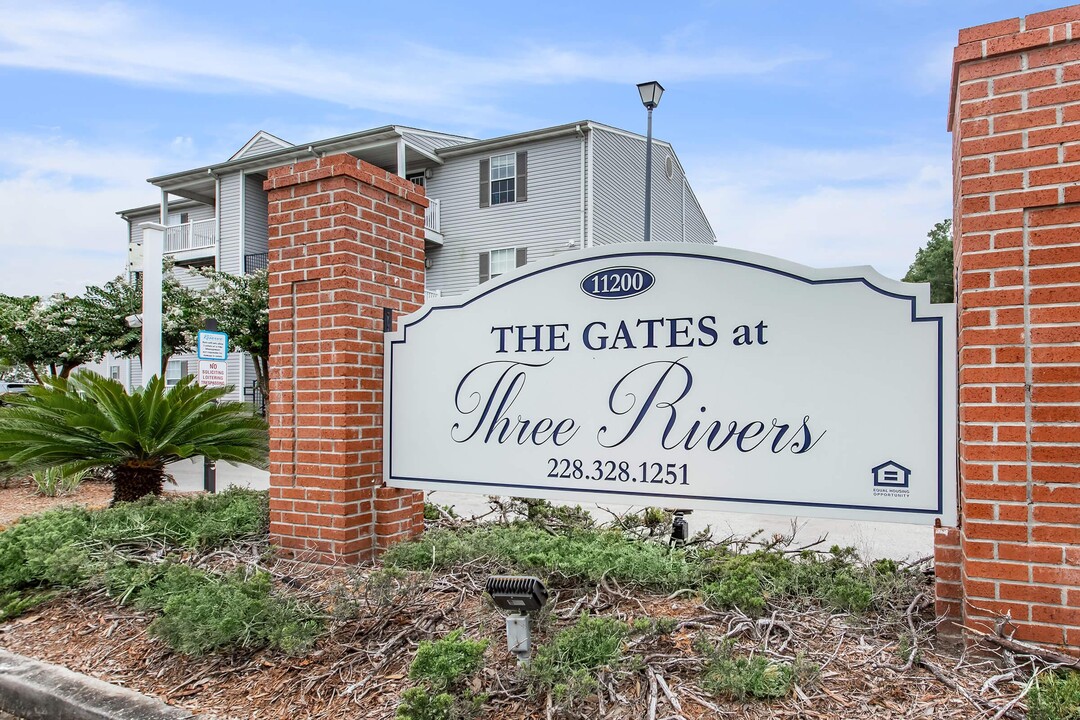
(229, 259)
(619, 194)
(430, 143)
(547, 223)
(256, 212)
(262, 145)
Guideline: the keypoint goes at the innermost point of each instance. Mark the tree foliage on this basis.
(53, 336)
(934, 263)
(49, 336)
(109, 306)
(241, 305)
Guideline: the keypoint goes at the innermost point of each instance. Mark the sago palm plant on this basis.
(88, 421)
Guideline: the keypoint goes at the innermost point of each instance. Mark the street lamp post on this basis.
(650, 97)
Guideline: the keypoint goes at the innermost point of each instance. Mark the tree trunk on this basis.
(34, 372)
(262, 374)
(65, 371)
(132, 483)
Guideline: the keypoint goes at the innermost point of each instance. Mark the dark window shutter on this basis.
(485, 267)
(522, 177)
(522, 256)
(485, 184)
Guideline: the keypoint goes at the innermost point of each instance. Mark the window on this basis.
(499, 262)
(503, 175)
(114, 372)
(503, 261)
(174, 371)
(504, 179)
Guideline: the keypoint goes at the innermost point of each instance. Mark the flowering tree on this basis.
(49, 336)
(241, 305)
(109, 306)
(55, 335)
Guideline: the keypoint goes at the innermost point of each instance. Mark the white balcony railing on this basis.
(197, 235)
(433, 216)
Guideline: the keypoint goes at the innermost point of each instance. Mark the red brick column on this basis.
(346, 241)
(1015, 118)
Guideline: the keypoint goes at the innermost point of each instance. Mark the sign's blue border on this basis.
(198, 345)
(618, 257)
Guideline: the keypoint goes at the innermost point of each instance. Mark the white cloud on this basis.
(828, 208)
(58, 202)
(83, 39)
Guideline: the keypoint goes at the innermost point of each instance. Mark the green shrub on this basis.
(201, 612)
(743, 677)
(46, 548)
(567, 665)
(1055, 696)
(58, 480)
(419, 704)
(448, 662)
(579, 555)
(198, 522)
(15, 602)
(837, 580)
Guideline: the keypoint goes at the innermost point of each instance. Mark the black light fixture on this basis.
(680, 529)
(651, 93)
(519, 595)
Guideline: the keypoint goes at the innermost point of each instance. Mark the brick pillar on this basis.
(1015, 119)
(346, 241)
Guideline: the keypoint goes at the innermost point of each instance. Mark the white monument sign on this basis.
(681, 376)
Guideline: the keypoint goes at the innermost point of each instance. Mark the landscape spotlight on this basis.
(519, 595)
(680, 529)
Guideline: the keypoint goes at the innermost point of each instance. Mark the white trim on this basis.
(432, 133)
(163, 207)
(590, 210)
(421, 151)
(243, 222)
(217, 222)
(581, 191)
(627, 133)
(261, 135)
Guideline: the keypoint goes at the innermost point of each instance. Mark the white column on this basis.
(401, 158)
(153, 249)
(164, 207)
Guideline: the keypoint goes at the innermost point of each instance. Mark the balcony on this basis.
(433, 222)
(254, 262)
(192, 240)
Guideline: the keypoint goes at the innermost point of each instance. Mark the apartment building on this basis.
(495, 204)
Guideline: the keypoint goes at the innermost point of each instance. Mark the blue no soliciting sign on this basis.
(213, 345)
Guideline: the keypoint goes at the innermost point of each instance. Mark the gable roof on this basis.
(261, 142)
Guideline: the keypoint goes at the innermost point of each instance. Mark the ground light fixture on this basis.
(680, 529)
(518, 595)
(650, 97)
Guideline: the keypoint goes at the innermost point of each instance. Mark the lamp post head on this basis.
(650, 93)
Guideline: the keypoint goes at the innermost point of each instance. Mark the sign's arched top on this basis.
(677, 375)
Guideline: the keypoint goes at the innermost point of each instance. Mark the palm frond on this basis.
(91, 421)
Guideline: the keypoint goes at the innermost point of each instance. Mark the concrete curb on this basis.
(36, 690)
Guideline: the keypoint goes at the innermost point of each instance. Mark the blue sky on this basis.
(810, 130)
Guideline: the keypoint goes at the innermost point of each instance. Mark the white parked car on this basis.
(10, 388)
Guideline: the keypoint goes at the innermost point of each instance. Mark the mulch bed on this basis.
(20, 497)
(361, 667)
